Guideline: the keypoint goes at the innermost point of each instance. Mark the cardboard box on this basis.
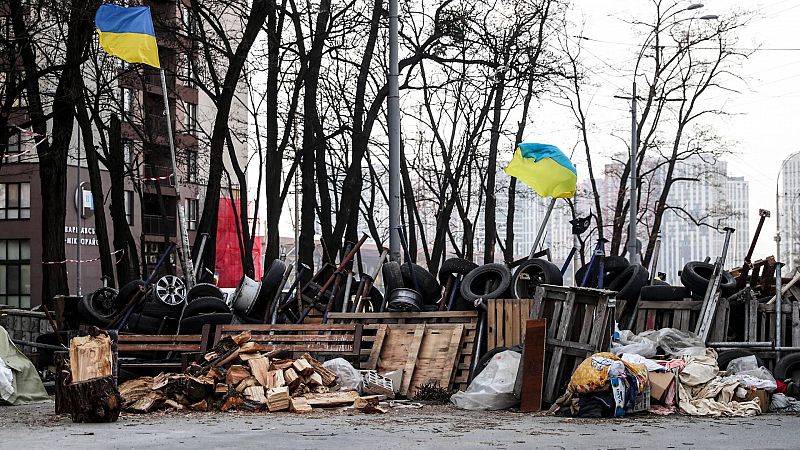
(660, 382)
(763, 398)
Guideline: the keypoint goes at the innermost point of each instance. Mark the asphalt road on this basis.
(35, 426)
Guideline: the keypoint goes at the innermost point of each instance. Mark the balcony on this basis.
(155, 125)
(158, 225)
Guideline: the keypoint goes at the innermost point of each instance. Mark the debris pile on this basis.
(238, 375)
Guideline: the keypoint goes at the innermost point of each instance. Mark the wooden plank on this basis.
(375, 351)
(136, 338)
(403, 315)
(650, 320)
(600, 325)
(491, 324)
(532, 366)
(795, 324)
(436, 358)
(671, 305)
(238, 328)
(124, 348)
(516, 329)
(586, 327)
(331, 399)
(555, 360)
(302, 338)
(411, 359)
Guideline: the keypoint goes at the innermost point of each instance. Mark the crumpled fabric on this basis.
(783, 403)
(6, 381)
(592, 375)
(702, 392)
(760, 378)
(28, 387)
(633, 358)
(675, 363)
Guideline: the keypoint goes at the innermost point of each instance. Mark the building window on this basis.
(14, 142)
(126, 99)
(129, 207)
(15, 273)
(191, 166)
(190, 118)
(192, 212)
(15, 201)
(127, 153)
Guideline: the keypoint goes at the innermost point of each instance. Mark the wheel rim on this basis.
(103, 301)
(170, 290)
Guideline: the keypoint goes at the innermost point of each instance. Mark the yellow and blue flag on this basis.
(128, 33)
(544, 168)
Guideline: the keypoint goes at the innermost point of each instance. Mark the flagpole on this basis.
(183, 232)
(542, 227)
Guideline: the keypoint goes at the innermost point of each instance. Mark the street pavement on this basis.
(442, 427)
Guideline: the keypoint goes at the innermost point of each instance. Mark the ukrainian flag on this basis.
(128, 33)
(544, 168)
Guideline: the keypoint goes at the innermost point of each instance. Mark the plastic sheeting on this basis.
(6, 381)
(674, 342)
(26, 383)
(347, 377)
(702, 392)
(493, 388)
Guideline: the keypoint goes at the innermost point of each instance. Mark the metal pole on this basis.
(79, 207)
(633, 253)
(393, 104)
(542, 227)
(654, 263)
(183, 232)
(778, 307)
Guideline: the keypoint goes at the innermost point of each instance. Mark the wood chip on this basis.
(300, 405)
(202, 405)
(328, 376)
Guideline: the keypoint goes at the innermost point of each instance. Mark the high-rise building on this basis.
(698, 209)
(789, 211)
(150, 197)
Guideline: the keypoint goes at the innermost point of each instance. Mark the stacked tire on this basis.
(414, 277)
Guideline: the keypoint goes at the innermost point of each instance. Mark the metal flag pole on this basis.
(79, 207)
(183, 232)
(393, 106)
(542, 227)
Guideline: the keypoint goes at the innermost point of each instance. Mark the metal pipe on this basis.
(633, 254)
(183, 232)
(198, 263)
(654, 261)
(543, 226)
(478, 340)
(79, 207)
(778, 309)
(393, 107)
(279, 294)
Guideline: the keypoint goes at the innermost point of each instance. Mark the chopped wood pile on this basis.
(238, 375)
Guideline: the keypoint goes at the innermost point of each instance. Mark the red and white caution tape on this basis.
(83, 260)
(32, 134)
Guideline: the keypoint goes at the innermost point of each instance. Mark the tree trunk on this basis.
(274, 160)
(489, 212)
(96, 186)
(93, 401)
(128, 265)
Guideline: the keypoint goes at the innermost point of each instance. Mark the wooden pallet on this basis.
(372, 322)
(505, 322)
(654, 315)
(577, 326)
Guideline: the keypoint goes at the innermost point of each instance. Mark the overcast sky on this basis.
(763, 125)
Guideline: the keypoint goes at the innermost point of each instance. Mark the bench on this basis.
(334, 340)
(162, 348)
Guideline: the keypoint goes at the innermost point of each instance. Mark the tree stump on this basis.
(93, 401)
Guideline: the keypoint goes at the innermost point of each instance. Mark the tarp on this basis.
(26, 385)
(229, 261)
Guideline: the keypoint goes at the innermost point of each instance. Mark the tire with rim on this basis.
(392, 277)
(102, 302)
(89, 315)
(628, 286)
(205, 305)
(724, 358)
(487, 281)
(127, 292)
(788, 367)
(430, 289)
(194, 324)
(203, 290)
(532, 273)
(455, 266)
(664, 293)
(696, 276)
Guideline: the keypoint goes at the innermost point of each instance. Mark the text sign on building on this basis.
(86, 236)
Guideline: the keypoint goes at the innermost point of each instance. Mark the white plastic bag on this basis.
(347, 377)
(6, 381)
(741, 364)
(493, 388)
(633, 344)
(758, 378)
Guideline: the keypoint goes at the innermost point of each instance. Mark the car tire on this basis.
(392, 277)
(127, 292)
(201, 290)
(630, 282)
(205, 305)
(89, 314)
(487, 281)
(532, 273)
(696, 276)
(455, 266)
(430, 289)
(270, 283)
(194, 324)
(142, 324)
(664, 293)
(725, 357)
(788, 367)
